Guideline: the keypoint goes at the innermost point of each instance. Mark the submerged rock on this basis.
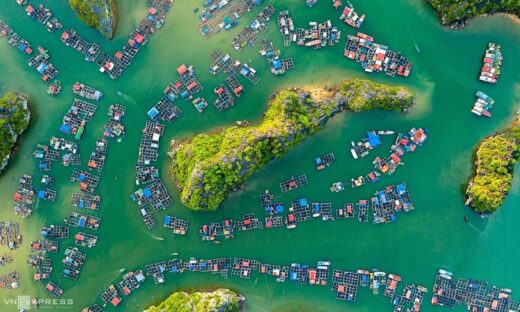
(100, 14)
(220, 300)
(211, 165)
(14, 119)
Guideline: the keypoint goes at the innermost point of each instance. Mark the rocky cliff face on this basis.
(220, 300)
(211, 165)
(100, 14)
(14, 119)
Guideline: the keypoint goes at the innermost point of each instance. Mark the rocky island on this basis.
(220, 300)
(209, 166)
(99, 14)
(14, 119)
(495, 159)
(456, 12)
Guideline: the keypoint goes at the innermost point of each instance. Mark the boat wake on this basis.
(156, 237)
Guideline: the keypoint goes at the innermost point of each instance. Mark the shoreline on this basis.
(115, 17)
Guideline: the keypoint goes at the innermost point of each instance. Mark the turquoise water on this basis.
(443, 79)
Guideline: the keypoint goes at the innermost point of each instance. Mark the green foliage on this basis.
(96, 13)
(14, 119)
(455, 10)
(494, 164)
(210, 166)
(223, 300)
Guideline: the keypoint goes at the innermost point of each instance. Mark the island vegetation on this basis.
(220, 300)
(100, 14)
(211, 165)
(14, 119)
(456, 12)
(495, 159)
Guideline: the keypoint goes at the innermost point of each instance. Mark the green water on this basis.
(434, 235)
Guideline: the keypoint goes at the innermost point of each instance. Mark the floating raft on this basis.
(200, 104)
(24, 196)
(86, 91)
(363, 147)
(55, 231)
(47, 194)
(492, 62)
(55, 88)
(42, 266)
(54, 289)
(60, 144)
(405, 143)
(10, 281)
(211, 232)
(351, 17)
(375, 57)
(86, 201)
(362, 210)
(10, 235)
(44, 245)
(146, 174)
(131, 281)
(85, 240)
(322, 210)
(347, 212)
(224, 99)
(71, 160)
(318, 35)
(111, 295)
(223, 15)
(114, 127)
(156, 270)
(390, 201)
(90, 51)
(179, 226)
(40, 62)
(220, 62)
(293, 183)
(77, 117)
(234, 85)
(44, 16)
(93, 308)
(98, 156)
(249, 35)
(149, 146)
(44, 152)
(325, 161)
(278, 66)
(250, 74)
(87, 181)
(164, 110)
(249, 222)
(154, 195)
(82, 221)
(476, 295)
(47, 180)
(73, 262)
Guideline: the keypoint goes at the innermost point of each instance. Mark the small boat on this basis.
(466, 219)
(216, 242)
(196, 9)
(175, 253)
(242, 123)
(337, 187)
(385, 132)
(122, 270)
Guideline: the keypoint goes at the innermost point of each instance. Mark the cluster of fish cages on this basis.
(41, 264)
(115, 65)
(278, 66)
(10, 235)
(54, 289)
(154, 195)
(476, 295)
(77, 117)
(114, 127)
(344, 284)
(44, 16)
(10, 281)
(98, 156)
(87, 181)
(40, 62)
(178, 226)
(86, 92)
(86, 201)
(79, 220)
(14, 39)
(73, 262)
(24, 196)
(249, 35)
(316, 36)
(404, 143)
(375, 57)
(223, 15)
(44, 245)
